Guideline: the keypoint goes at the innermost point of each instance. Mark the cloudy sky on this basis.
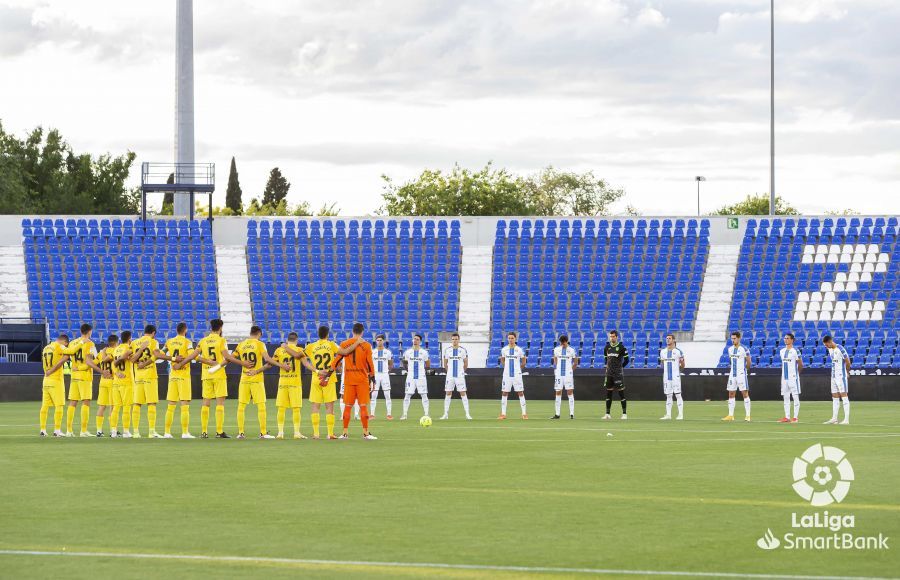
(645, 93)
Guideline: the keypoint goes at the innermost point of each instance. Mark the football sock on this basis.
(835, 407)
(747, 406)
(126, 418)
(241, 416)
(314, 419)
(406, 401)
(151, 417)
(85, 417)
(70, 418)
(557, 402)
(503, 400)
(345, 417)
(58, 418)
(425, 404)
(114, 418)
(465, 401)
(447, 399)
(796, 406)
(329, 423)
(571, 404)
(364, 417)
(623, 401)
(279, 417)
(787, 405)
(668, 405)
(261, 413)
(220, 418)
(846, 401)
(343, 405)
(99, 422)
(136, 418)
(608, 401)
(45, 410)
(522, 405)
(185, 418)
(170, 418)
(295, 415)
(204, 419)
(387, 402)
(374, 401)
(680, 403)
(731, 407)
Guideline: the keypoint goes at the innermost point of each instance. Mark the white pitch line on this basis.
(626, 440)
(613, 425)
(432, 565)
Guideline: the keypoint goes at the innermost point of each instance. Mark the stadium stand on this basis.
(816, 276)
(120, 274)
(584, 277)
(401, 277)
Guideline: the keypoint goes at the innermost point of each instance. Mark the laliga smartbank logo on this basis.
(822, 476)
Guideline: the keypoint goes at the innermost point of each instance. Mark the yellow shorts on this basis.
(54, 394)
(179, 389)
(105, 395)
(215, 388)
(318, 394)
(146, 391)
(123, 394)
(291, 396)
(252, 392)
(80, 389)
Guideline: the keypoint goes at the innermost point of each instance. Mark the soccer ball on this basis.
(425, 421)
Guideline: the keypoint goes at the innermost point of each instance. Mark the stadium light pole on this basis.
(184, 105)
(699, 178)
(771, 107)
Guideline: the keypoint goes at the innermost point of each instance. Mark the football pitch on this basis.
(461, 499)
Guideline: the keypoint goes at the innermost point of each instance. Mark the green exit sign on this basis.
(732, 223)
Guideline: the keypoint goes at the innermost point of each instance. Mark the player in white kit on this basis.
(456, 361)
(565, 360)
(416, 361)
(791, 365)
(739, 362)
(672, 360)
(512, 360)
(840, 369)
(384, 362)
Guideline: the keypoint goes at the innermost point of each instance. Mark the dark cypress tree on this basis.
(233, 193)
(277, 188)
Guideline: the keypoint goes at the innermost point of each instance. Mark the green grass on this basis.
(688, 496)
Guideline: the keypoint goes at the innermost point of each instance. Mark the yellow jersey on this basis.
(145, 345)
(289, 378)
(125, 367)
(320, 354)
(179, 346)
(79, 349)
(49, 357)
(251, 350)
(211, 347)
(105, 353)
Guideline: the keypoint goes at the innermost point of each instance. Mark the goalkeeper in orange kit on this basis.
(359, 378)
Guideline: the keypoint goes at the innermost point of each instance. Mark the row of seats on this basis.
(351, 229)
(92, 230)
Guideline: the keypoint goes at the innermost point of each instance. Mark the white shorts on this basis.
(839, 386)
(672, 387)
(414, 386)
(383, 383)
(458, 383)
(737, 383)
(512, 384)
(789, 387)
(567, 382)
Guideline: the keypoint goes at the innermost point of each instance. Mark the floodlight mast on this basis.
(184, 104)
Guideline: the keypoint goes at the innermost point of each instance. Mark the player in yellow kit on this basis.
(290, 393)
(252, 388)
(123, 386)
(321, 353)
(213, 354)
(105, 394)
(81, 382)
(54, 390)
(182, 352)
(145, 352)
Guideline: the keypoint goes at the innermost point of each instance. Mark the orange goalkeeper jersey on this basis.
(358, 365)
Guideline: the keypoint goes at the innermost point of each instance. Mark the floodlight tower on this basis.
(184, 103)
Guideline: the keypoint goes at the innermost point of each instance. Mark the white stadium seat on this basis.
(863, 316)
(825, 316)
(820, 259)
(799, 316)
(866, 305)
(878, 306)
(877, 315)
(814, 306)
(847, 258)
(802, 306)
(841, 277)
(840, 306)
(807, 259)
(829, 297)
(826, 287)
(874, 249)
(883, 258)
(880, 267)
(838, 287)
(815, 297)
(851, 287)
(833, 259)
(851, 316)
(838, 315)
(803, 297)
(853, 306)
(812, 316)
(865, 277)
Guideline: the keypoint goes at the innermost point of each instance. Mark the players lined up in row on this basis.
(129, 378)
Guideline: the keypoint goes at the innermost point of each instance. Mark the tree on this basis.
(233, 193)
(491, 191)
(757, 204)
(168, 203)
(277, 188)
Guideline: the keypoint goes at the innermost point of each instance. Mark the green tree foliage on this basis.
(277, 188)
(492, 191)
(168, 204)
(233, 193)
(41, 174)
(757, 204)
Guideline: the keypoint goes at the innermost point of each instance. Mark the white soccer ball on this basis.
(425, 421)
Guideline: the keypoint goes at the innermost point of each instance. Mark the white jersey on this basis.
(416, 360)
(455, 357)
(671, 363)
(512, 367)
(790, 370)
(837, 356)
(381, 357)
(738, 361)
(565, 358)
